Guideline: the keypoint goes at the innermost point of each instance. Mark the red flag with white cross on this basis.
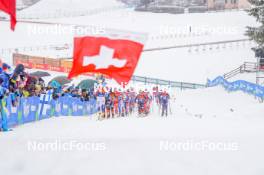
(116, 58)
(9, 7)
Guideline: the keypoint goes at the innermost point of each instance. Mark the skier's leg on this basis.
(166, 110)
(159, 106)
(139, 109)
(163, 110)
(112, 111)
(116, 109)
(119, 109)
(125, 108)
(104, 110)
(107, 111)
(99, 111)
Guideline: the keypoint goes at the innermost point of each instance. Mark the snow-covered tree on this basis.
(145, 2)
(257, 33)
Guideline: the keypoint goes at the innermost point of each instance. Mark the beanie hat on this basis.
(5, 66)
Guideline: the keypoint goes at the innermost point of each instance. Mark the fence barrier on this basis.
(173, 84)
(33, 109)
(248, 67)
(239, 85)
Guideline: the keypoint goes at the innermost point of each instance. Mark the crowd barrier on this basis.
(38, 108)
(239, 85)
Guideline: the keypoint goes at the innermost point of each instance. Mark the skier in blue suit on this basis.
(164, 102)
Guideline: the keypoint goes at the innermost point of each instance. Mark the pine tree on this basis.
(257, 33)
(145, 3)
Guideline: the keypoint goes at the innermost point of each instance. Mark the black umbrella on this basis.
(40, 74)
(62, 80)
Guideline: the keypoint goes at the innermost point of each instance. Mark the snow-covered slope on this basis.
(168, 29)
(136, 145)
(194, 64)
(133, 145)
(216, 102)
(63, 8)
(250, 77)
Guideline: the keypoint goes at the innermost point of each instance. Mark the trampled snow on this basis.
(140, 145)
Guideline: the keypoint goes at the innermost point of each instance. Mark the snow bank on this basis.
(133, 146)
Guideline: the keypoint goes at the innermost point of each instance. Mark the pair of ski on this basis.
(160, 109)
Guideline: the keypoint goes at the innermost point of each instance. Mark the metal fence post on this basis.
(181, 86)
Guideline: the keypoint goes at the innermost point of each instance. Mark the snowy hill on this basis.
(218, 103)
(21, 4)
(171, 30)
(195, 64)
(190, 64)
(209, 131)
(63, 8)
(138, 145)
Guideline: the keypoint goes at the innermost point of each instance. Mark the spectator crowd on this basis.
(111, 102)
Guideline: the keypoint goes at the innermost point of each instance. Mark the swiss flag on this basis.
(9, 7)
(115, 58)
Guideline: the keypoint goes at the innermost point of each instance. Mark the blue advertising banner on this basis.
(66, 105)
(12, 116)
(45, 106)
(239, 85)
(31, 109)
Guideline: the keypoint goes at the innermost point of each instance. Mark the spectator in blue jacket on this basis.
(3, 92)
(5, 75)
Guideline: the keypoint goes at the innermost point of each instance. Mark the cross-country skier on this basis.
(109, 104)
(164, 102)
(132, 100)
(100, 100)
(116, 94)
(142, 100)
(127, 97)
(121, 104)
